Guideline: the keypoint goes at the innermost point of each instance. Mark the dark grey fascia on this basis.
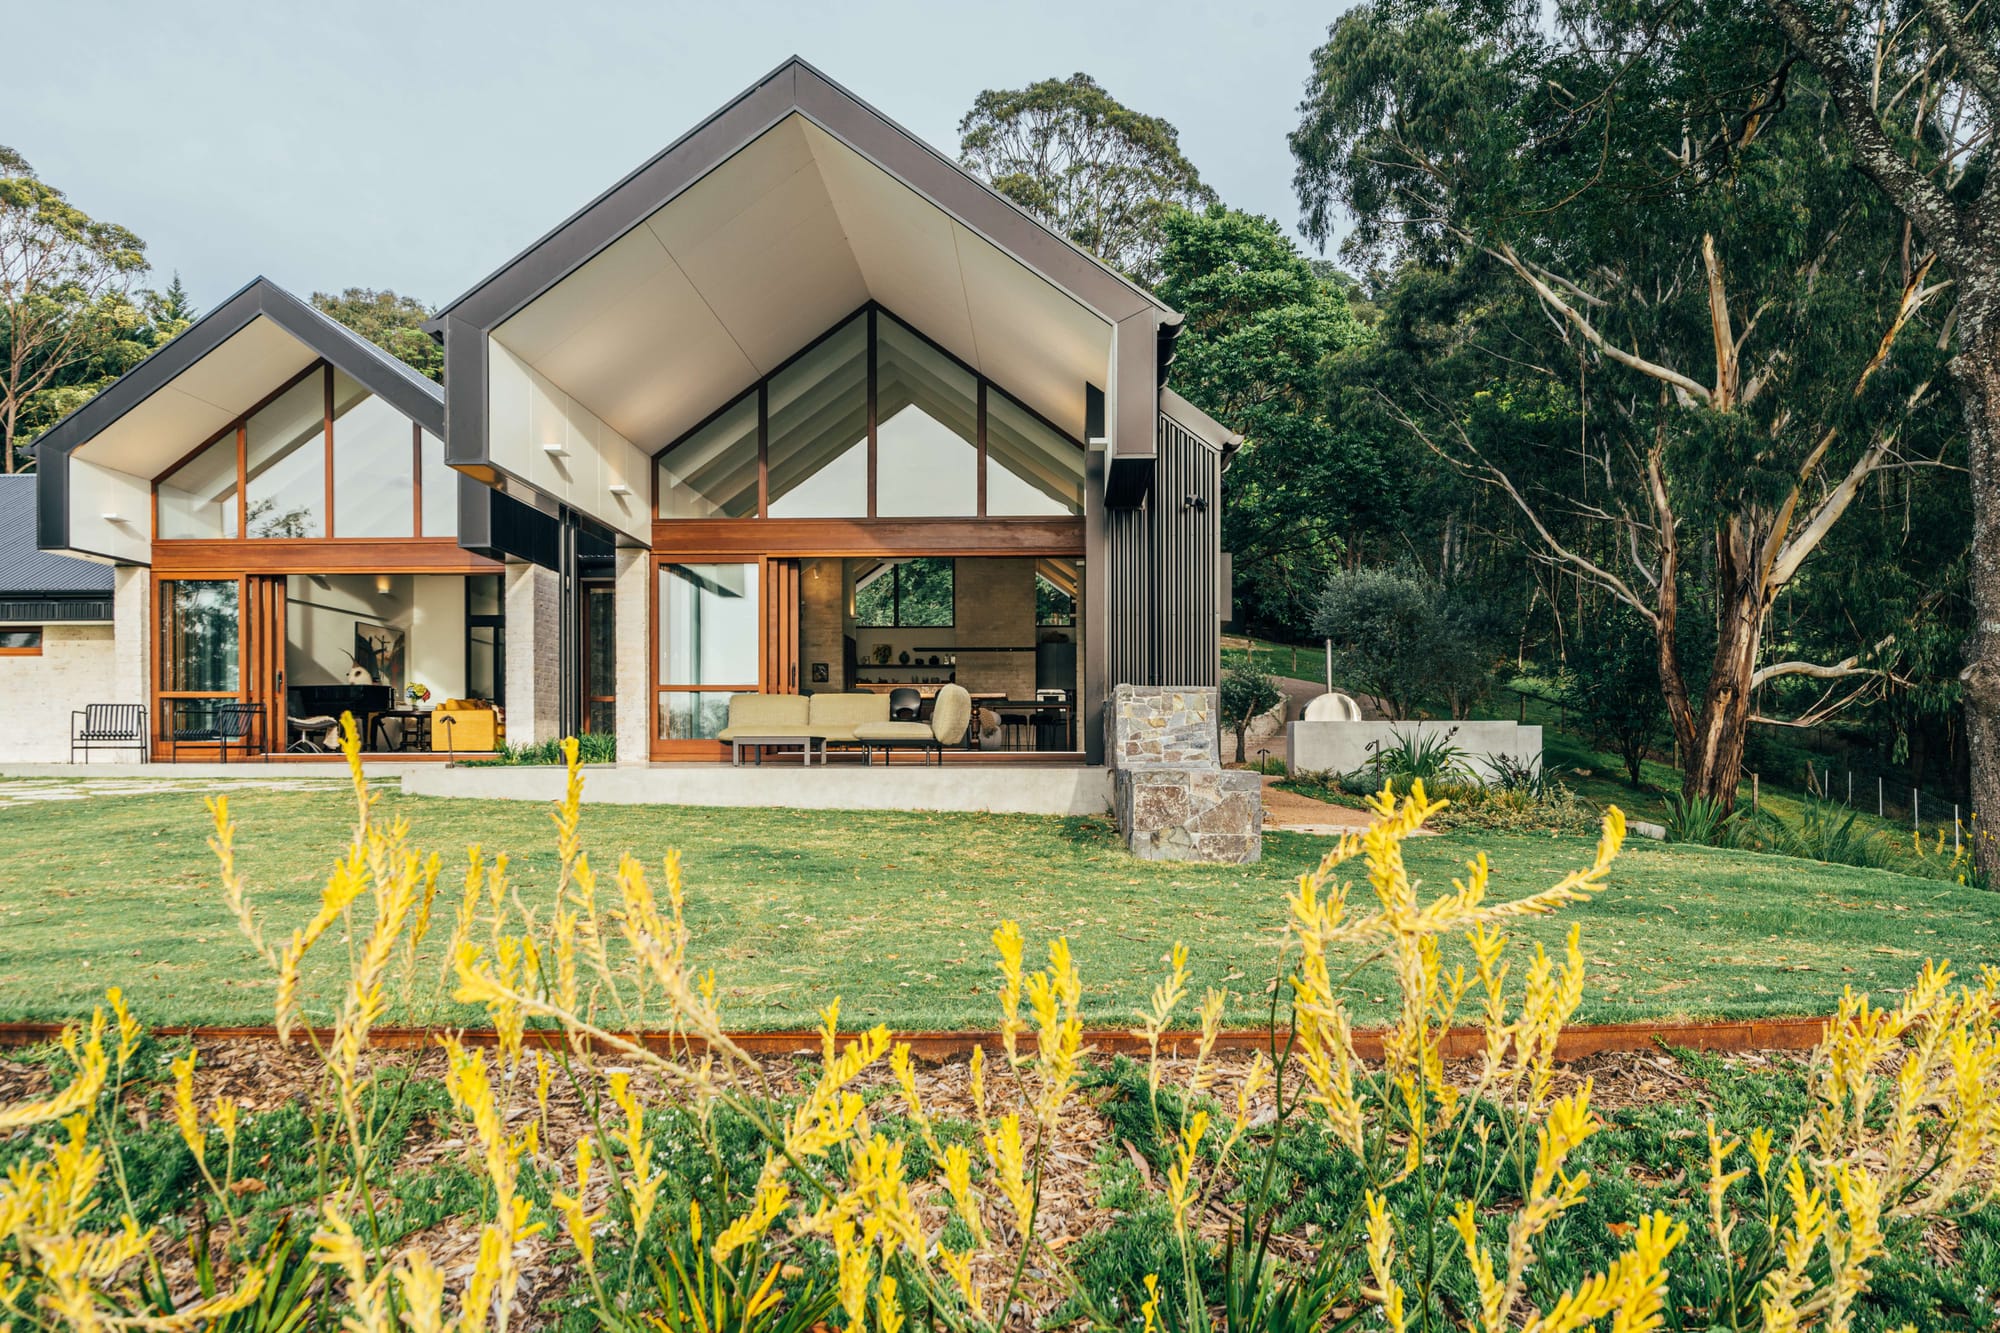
(401, 387)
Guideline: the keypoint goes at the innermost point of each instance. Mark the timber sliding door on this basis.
(724, 627)
(221, 641)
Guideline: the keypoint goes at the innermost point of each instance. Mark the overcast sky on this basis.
(418, 145)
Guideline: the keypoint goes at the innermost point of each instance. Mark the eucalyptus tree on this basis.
(1916, 84)
(64, 279)
(1703, 343)
(1097, 171)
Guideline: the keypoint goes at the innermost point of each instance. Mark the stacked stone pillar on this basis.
(1174, 799)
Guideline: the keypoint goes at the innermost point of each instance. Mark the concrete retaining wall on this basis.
(1342, 747)
(1000, 789)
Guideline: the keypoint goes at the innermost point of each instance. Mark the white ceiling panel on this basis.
(200, 401)
(764, 254)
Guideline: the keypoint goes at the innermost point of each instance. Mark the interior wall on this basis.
(321, 612)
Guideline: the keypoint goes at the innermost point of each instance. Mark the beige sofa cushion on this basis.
(835, 716)
(766, 715)
(950, 714)
(912, 732)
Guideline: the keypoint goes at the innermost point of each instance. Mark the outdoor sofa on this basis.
(820, 720)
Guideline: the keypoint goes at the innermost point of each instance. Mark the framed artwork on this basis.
(820, 674)
(379, 650)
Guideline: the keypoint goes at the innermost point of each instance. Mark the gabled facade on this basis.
(799, 405)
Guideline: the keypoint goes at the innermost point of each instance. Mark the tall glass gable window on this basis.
(322, 457)
(872, 420)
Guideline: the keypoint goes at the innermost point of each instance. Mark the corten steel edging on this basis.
(1754, 1034)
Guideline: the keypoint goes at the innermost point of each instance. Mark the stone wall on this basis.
(1173, 799)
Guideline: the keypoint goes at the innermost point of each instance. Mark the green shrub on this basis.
(1827, 831)
(1698, 819)
(592, 748)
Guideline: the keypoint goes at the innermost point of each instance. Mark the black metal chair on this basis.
(107, 727)
(223, 725)
(905, 703)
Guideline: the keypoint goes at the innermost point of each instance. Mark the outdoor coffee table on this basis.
(761, 743)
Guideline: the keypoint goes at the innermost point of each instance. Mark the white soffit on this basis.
(200, 401)
(768, 251)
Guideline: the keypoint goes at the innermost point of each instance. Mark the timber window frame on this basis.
(733, 421)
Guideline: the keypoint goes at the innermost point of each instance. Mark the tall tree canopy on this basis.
(1097, 171)
(1916, 85)
(393, 323)
(1261, 326)
(64, 280)
(1667, 330)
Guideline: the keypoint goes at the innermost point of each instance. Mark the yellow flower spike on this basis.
(1007, 942)
(576, 1222)
(129, 1030)
(422, 1284)
(185, 1115)
(93, 1067)
(957, 1265)
(224, 1116)
(1150, 1308)
(1720, 1183)
(888, 1313)
(1180, 1175)
(1386, 1292)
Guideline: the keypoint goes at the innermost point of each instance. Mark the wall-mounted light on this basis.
(621, 490)
(1099, 443)
(555, 451)
(1195, 502)
(114, 518)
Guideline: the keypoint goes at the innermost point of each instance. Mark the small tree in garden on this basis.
(1246, 692)
(1613, 686)
(1403, 640)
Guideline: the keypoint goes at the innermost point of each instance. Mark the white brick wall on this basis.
(633, 595)
(533, 647)
(78, 665)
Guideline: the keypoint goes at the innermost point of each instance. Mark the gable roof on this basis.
(212, 372)
(795, 87)
(26, 571)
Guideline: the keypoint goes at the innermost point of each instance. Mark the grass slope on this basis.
(892, 912)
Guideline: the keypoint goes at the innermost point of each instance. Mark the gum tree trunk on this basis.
(1975, 370)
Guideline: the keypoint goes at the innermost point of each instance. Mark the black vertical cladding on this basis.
(1165, 626)
(1186, 508)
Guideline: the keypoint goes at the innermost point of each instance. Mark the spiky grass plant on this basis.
(1463, 1171)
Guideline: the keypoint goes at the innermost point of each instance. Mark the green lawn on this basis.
(1299, 661)
(892, 911)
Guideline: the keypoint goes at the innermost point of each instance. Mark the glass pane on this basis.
(875, 599)
(924, 595)
(819, 429)
(286, 463)
(20, 639)
(708, 624)
(912, 594)
(692, 716)
(926, 429)
(1054, 604)
(374, 493)
(482, 594)
(713, 472)
(198, 499)
(200, 635)
(600, 682)
(1030, 469)
(485, 664)
(440, 490)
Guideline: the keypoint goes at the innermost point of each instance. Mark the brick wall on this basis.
(996, 606)
(78, 665)
(534, 645)
(822, 618)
